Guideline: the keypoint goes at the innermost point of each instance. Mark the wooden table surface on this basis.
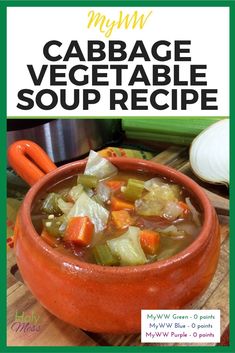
(54, 332)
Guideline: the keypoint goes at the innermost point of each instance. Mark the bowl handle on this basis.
(29, 161)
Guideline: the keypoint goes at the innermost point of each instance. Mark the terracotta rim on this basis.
(148, 166)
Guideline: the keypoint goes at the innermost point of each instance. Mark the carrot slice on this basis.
(49, 239)
(115, 184)
(149, 241)
(119, 204)
(121, 219)
(79, 231)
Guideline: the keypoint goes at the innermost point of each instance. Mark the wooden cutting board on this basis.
(54, 332)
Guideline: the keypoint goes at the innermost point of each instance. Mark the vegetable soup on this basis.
(116, 218)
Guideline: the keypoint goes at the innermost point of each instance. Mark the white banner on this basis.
(118, 61)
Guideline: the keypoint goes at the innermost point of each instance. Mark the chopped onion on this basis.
(99, 166)
(209, 153)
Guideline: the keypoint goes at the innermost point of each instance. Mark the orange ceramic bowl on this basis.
(110, 299)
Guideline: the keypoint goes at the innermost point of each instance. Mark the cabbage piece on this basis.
(149, 207)
(89, 192)
(97, 199)
(127, 248)
(176, 189)
(155, 201)
(149, 184)
(84, 206)
(99, 166)
(64, 206)
(103, 192)
(195, 213)
(75, 192)
(165, 192)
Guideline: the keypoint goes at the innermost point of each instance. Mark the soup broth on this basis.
(120, 220)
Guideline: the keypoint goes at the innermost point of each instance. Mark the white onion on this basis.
(209, 153)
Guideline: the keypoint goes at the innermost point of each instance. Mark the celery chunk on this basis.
(103, 255)
(89, 181)
(134, 189)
